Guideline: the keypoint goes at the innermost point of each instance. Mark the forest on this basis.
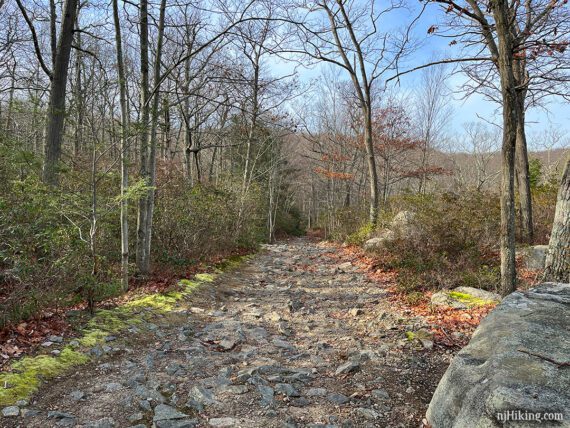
(148, 148)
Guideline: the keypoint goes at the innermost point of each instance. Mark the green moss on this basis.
(29, 372)
(110, 320)
(205, 277)
(361, 235)
(158, 302)
(469, 300)
(232, 263)
(410, 335)
(92, 338)
(188, 286)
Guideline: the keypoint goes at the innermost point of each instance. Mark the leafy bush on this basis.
(45, 257)
(289, 223)
(452, 241)
(361, 235)
(543, 207)
(42, 256)
(194, 222)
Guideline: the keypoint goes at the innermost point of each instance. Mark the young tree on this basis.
(431, 117)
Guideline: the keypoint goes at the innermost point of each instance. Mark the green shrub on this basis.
(543, 207)
(194, 222)
(452, 241)
(361, 235)
(289, 223)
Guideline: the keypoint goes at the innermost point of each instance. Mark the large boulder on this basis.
(516, 366)
(402, 221)
(385, 236)
(401, 225)
(535, 257)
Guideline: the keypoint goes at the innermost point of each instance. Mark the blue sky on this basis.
(468, 109)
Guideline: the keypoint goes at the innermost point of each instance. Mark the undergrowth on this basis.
(24, 377)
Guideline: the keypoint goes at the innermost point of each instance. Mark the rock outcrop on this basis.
(402, 224)
(516, 366)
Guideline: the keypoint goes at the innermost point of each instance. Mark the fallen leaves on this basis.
(16, 340)
(450, 327)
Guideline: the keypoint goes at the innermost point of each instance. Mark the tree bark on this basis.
(56, 107)
(558, 257)
(521, 153)
(186, 118)
(124, 150)
(372, 172)
(510, 117)
(523, 180)
(78, 135)
(53, 31)
(11, 99)
(155, 113)
(141, 256)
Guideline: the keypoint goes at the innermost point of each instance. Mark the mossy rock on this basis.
(464, 298)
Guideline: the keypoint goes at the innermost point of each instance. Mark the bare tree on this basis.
(432, 116)
(124, 148)
(503, 33)
(56, 107)
(349, 37)
(480, 144)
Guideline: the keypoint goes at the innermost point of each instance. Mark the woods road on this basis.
(295, 337)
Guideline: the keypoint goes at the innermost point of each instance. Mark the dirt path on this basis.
(293, 338)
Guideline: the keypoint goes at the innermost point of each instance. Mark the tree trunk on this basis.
(56, 108)
(166, 130)
(510, 117)
(523, 184)
(558, 257)
(186, 118)
(53, 31)
(78, 136)
(522, 173)
(11, 99)
(141, 256)
(372, 173)
(124, 150)
(155, 113)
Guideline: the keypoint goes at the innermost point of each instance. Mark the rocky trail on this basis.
(294, 337)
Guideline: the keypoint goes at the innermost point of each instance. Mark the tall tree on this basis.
(349, 36)
(124, 148)
(155, 112)
(511, 112)
(56, 106)
(142, 258)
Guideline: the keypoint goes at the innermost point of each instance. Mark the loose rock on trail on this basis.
(292, 338)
